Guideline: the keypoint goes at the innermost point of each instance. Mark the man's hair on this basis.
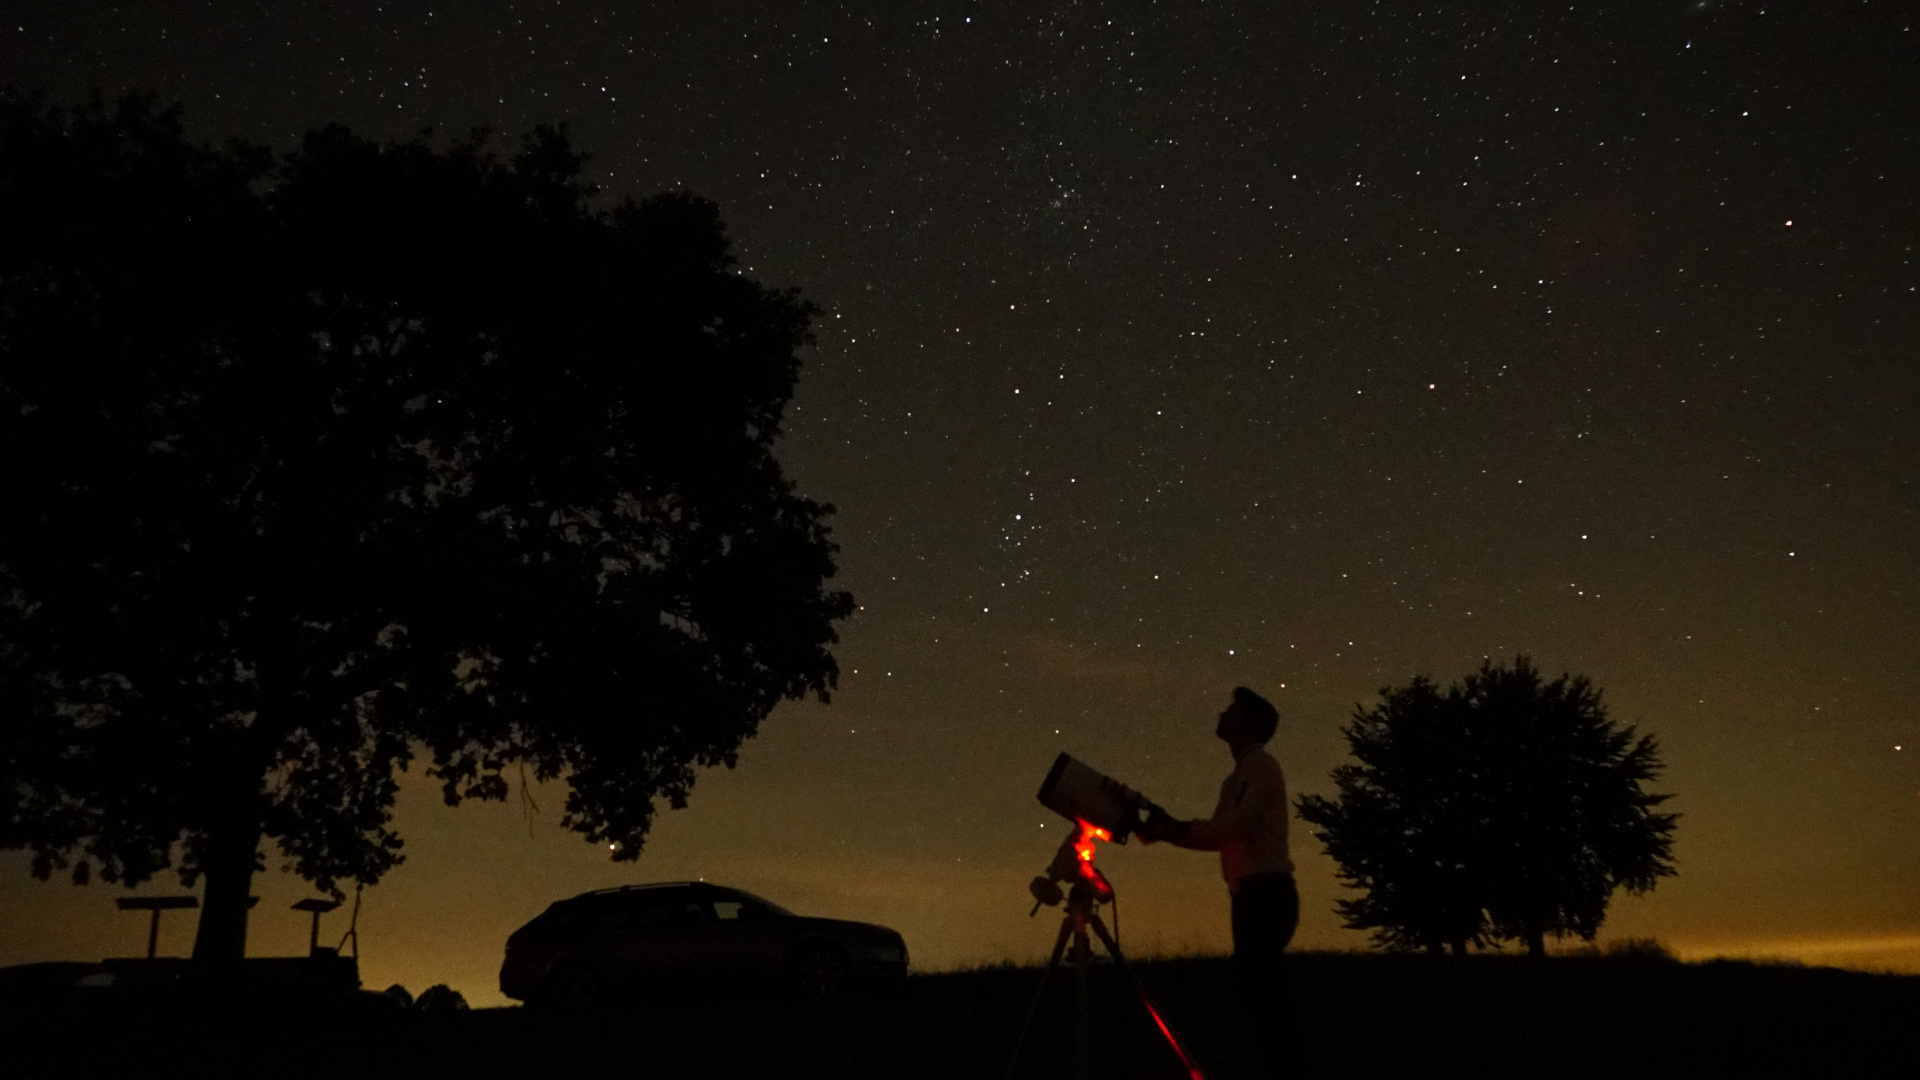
(1259, 711)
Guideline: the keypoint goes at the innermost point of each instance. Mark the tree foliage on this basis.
(317, 461)
(1503, 808)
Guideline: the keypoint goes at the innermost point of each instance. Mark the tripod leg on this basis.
(1082, 1035)
(1120, 961)
(1099, 927)
(1026, 1026)
(1060, 942)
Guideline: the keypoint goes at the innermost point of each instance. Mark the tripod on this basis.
(1073, 948)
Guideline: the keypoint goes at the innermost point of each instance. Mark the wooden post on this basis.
(155, 904)
(318, 907)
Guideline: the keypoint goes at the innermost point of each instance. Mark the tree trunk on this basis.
(1459, 946)
(1536, 938)
(232, 853)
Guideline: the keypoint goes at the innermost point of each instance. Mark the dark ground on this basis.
(1363, 1016)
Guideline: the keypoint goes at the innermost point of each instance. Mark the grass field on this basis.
(1360, 1016)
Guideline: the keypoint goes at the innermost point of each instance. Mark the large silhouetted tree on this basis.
(312, 462)
(1505, 808)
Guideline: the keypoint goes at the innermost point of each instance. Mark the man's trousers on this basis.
(1266, 911)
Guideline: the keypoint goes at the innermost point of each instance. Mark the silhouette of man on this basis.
(1249, 830)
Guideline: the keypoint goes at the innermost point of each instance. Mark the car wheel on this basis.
(574, 987)
(819, 970)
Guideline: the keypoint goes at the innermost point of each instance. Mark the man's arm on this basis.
(1236, 816)
(1207, 834)
(1201, 834)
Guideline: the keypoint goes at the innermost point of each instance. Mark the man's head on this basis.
(1249, 719)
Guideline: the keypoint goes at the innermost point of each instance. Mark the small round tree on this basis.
(1505, 808)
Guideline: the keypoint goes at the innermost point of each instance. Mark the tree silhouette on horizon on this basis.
(314, 463)
(1504, 808)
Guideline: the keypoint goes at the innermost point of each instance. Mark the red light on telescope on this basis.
(1085, 848)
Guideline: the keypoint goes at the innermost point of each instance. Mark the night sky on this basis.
(1171, 346)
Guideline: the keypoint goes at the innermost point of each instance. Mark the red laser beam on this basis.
(1193, 1071)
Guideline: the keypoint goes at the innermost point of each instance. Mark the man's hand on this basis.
(1160, 825)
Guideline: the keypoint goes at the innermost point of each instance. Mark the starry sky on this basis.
(1171, 345)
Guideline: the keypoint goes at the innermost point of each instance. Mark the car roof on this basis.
(673, 886)
(660, 886)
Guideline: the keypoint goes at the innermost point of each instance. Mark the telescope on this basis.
(1102, 808)
(1081, 793)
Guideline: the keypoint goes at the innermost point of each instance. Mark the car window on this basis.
(647, 912)
(610, 917)
(739, 911)
(667, 911)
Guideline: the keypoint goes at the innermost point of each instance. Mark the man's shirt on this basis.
(1249, 826)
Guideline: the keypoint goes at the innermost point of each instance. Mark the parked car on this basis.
(641, 940)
